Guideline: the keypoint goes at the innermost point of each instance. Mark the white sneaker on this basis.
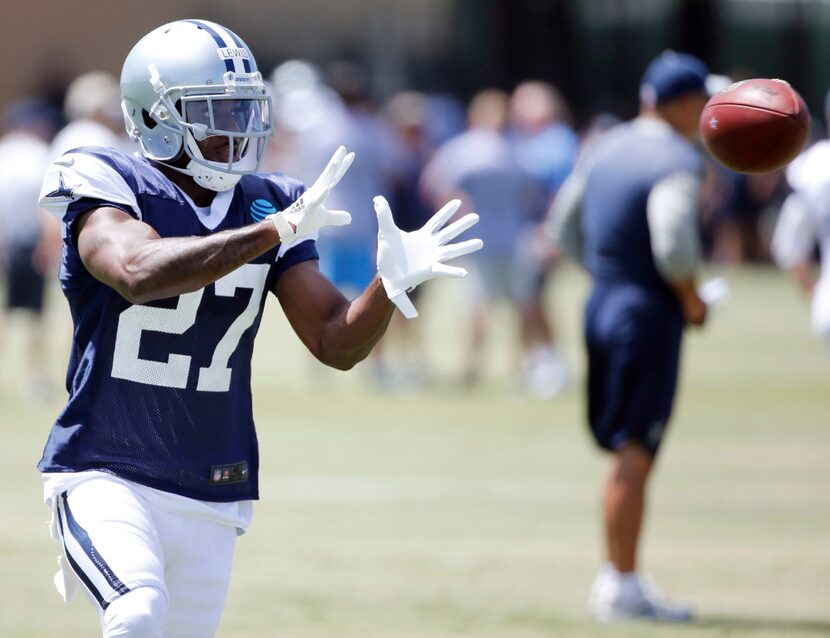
(617, 597)
(543, 374)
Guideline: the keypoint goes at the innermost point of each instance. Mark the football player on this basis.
(151, 468)
(804, 222)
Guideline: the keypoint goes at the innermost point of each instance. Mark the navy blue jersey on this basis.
(626, 164)
(633, 321)
(160, 393)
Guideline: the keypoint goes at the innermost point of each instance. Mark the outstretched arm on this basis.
(336, 331)
(129, 256)
(341, 333)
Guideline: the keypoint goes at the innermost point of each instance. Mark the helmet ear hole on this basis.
(149, 122)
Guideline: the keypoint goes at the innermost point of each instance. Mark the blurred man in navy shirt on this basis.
(629, 214)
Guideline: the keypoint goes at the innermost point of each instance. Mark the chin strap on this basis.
(211, 179)
(216, 181)
(204, 176)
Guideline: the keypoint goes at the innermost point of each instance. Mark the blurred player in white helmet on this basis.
(803, 225)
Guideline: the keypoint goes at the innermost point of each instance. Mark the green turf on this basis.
(474, 513)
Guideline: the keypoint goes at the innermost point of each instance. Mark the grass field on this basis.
(474, 513)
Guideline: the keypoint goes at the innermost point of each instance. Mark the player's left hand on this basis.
(309, 213)
(406, 260)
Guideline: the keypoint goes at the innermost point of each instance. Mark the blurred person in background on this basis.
(446, 117)
(93, 109)
(736, 206)
(407, 116)
(302, 104)
(629, 214)
(597, 126)
(29, 239)
(481, 168)
(546, 148)
(348, 255)
(322, 116)
(803, 225)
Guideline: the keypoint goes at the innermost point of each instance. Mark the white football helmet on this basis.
(190, 80)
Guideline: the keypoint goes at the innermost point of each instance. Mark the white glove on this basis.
(714, 292)
(309, 213)
(408, 259)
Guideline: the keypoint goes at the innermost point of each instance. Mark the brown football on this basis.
(755, 126)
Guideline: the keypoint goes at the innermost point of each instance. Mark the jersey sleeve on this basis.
(78, 182)
(672, 210)
(304, 251)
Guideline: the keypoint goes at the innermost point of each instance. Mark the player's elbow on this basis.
(137, 298)
(137, 285)
(131, 289)
(343, 365)
(340, 357)
(343, 361)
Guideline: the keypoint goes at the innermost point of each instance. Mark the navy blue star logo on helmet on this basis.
(261, 208)
(62, 190)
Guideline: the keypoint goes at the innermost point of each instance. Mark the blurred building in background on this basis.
(592, 49)
(334, 65)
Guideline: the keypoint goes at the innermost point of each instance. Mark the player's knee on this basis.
(137, 614)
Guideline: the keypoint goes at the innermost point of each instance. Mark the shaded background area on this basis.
(594, 50)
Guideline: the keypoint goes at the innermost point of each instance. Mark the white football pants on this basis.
(150, 574)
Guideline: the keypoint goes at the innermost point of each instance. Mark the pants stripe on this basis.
(77, 568)
(85, 559)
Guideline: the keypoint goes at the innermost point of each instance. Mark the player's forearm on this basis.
(357, 328)
(167, 267)
(693, 308)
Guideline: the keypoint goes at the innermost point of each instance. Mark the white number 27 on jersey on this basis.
(126, 364)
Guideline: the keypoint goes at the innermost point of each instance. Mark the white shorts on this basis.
(116, 539)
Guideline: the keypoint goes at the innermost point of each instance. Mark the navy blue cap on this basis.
(671, 75)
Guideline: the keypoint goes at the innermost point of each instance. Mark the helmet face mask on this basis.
(209, 100)
(241, 117)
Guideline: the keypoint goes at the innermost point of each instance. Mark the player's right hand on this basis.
(309, 213)
(694, 310)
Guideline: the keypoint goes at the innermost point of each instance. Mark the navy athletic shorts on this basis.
(633, 340)
(24, 285)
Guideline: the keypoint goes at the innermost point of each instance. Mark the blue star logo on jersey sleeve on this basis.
(63, 190)
(261, 208)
